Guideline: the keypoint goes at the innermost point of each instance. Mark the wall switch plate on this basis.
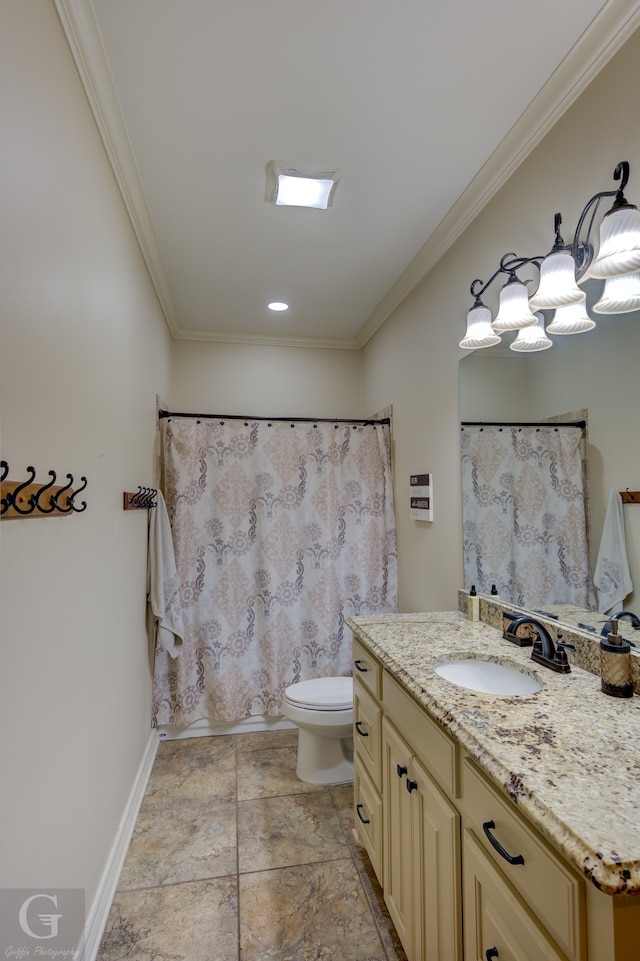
(421, 497)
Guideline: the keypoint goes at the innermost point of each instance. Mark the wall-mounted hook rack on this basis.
(143, 499)
(630, 497)
(31, 499)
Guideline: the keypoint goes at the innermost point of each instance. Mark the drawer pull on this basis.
(359, 667)
(364, 820)
(487, 827)
(360, 732)
(401, 769)
(491, 953)
(411, 785)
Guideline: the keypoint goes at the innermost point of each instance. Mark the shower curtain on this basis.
(525, 514)
(281, 531)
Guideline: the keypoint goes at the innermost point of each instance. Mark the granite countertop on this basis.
(568, 755)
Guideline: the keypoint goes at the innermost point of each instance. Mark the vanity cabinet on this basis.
(441, 839)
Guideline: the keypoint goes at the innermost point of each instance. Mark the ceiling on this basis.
(425, 108)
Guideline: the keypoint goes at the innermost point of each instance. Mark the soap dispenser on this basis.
(615, 664)
(473, 608)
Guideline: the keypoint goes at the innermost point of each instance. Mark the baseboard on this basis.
(208, 728)
(99, 911)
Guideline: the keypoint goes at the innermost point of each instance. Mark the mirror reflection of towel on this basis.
(162, 580)
(612, 576)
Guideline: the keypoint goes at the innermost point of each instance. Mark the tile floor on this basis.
(234, 859)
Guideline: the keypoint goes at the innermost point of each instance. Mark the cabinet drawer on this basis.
(368, 817)
(431, 743)
(367, 732)
(553, 891)
(366, 668)
(495, 918)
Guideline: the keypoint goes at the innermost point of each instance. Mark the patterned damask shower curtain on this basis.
(525, 514)
(281, 531)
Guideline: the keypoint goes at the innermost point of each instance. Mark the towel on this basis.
(162, 580)
(612, 576)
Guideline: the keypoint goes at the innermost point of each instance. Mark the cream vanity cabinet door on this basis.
(497, 923)
(517, 868)
(421, 855)
(367, 775)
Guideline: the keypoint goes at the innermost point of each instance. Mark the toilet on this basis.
(322, 709)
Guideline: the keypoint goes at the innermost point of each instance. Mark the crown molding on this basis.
(265, 340)
(604, 36)
(85, 42)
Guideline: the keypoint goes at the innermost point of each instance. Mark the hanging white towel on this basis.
(162, 580)
(612, 576)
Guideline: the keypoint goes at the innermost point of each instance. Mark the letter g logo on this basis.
(49, 921)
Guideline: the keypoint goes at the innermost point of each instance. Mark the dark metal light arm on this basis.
(509, 264)
(582, 250)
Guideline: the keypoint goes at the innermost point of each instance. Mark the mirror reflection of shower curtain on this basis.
(281, 531)
(525, 505)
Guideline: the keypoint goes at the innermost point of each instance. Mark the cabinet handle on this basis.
(491, 953)
(411, 785)
(364, 820)
(401, 769)
(363, 670)
(487, 827)
(361, 733)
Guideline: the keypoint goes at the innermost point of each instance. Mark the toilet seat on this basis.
(322, 694)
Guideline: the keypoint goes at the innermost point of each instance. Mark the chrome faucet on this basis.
(544, 650)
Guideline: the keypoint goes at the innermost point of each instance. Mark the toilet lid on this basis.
(323, 693)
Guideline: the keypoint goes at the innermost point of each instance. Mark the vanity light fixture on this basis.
(561, 270)
(295, 187)
(532, 337)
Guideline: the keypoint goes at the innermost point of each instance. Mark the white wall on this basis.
(83, 351)
(266, 381)
(412, 361)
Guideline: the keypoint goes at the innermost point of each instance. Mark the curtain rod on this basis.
(162, 414)
(489, 423)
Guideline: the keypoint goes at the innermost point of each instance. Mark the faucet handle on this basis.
(564, 645)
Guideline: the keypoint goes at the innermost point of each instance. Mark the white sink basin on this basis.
(489, 677)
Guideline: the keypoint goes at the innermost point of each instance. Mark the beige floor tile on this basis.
(182, 844)
(342, 795)
(196, 921)
(375, 897)
(199, 777)
(296, 829)
(213, 746)
(313, 912)
(266, 740)
(269, 773)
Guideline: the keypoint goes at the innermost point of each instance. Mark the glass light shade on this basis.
(558, 287)
(621, 295)
(479, 330)
(533, 337)
(514, 311)
(572, 319)
(619, 251)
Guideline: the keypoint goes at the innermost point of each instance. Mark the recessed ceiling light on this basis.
(278, 305)
(295, 187)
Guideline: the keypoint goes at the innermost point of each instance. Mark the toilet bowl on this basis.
(322, 709)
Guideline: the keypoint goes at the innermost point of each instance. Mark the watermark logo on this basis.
(41, 923)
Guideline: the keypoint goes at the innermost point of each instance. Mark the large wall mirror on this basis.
(598, 371)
